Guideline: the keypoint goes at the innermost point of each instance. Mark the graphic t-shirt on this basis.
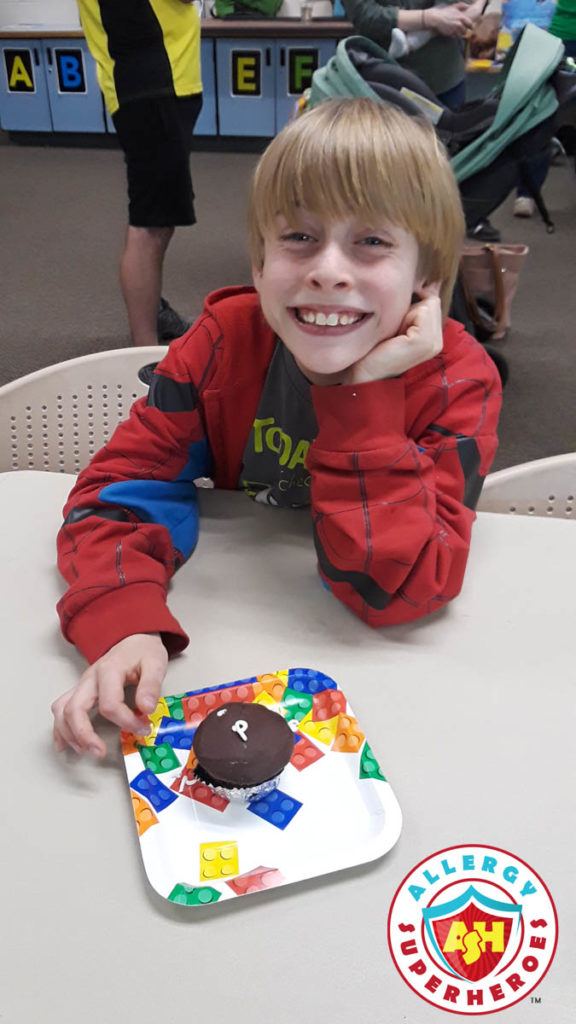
(274, 466)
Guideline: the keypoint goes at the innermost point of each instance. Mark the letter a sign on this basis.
(19, 70)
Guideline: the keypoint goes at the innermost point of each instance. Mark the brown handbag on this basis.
(491, 272)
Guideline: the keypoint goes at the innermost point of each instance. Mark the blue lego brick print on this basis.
(307, 680)
(174, 732)
(276, 807)
(149, 786)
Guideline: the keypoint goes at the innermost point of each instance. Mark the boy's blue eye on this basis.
(296, 236)
(374, 240)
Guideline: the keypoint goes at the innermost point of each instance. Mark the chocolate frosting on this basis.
(242, 744)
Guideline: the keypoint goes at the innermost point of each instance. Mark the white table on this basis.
(470, 713)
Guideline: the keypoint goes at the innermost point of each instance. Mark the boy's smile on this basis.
(332, 291)
(320, 319)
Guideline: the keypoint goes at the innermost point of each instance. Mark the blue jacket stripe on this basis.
(170, 503)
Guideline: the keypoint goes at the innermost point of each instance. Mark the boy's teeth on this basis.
(330, 320)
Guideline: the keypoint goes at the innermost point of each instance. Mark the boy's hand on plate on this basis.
(139, 660)
(421, 339)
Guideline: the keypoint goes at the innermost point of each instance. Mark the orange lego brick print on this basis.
(143, 813)
(218, 860)
(328, 704)
(129, 743)
(192, 761)
(273, 683)
(349, 737)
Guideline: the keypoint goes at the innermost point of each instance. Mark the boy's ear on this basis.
(423, 288)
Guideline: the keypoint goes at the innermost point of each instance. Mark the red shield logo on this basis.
(471, 934)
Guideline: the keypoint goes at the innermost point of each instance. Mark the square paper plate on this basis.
(333, 807)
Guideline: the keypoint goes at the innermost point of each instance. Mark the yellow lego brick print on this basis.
(324, 732)
(161, 711)
(218, 860)
(265, 699)
(129, 740)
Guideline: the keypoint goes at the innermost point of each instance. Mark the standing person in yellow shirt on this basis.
(148, 59)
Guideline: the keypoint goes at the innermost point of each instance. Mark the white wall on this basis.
(47, 13)
(64, 13)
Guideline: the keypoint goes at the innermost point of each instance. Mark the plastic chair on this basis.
(545, 487)
(56, 418)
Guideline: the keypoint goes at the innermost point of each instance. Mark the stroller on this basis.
(491, 142)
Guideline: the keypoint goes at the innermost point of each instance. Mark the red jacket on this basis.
(396, 470)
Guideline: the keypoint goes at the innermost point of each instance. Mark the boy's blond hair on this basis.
(356, 157)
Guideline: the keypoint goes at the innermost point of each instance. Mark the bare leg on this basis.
(141, 279)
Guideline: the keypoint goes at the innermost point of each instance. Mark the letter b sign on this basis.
(70, 68)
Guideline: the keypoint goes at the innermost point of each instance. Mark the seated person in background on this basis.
(335, 385)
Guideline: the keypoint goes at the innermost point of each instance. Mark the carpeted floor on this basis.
(63, 217)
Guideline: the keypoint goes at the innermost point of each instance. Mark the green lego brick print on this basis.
(175, 708)
(369, 767)
(297, 705)
(158, 759)
(194, 896)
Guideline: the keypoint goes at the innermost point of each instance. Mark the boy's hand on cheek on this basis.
(421, 339)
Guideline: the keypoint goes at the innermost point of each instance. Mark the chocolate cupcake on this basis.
(242, 749)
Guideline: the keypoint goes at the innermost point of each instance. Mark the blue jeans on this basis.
(454, 97)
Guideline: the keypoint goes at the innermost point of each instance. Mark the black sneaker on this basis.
(484, 231)
(170, 324)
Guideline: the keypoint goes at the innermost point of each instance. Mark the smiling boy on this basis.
(335, 385)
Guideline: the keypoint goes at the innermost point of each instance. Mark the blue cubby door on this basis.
(109, 122)
(75, 98)
(246, 75)
(295, 63)
(24, 104)
(206, 123)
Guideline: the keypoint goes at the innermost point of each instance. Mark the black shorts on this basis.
(156, 136)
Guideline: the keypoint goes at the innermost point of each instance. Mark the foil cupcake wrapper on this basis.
(245, 793)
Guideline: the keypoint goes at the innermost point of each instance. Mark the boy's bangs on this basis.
(353, 186)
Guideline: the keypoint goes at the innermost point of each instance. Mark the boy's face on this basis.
(332, 291)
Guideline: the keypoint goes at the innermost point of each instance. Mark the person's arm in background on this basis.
(376, 21)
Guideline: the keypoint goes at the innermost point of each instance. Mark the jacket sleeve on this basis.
(132, 517)
(393, 513)
(373, 19)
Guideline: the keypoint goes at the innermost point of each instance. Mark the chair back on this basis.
(544, 487)
(57, 418)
